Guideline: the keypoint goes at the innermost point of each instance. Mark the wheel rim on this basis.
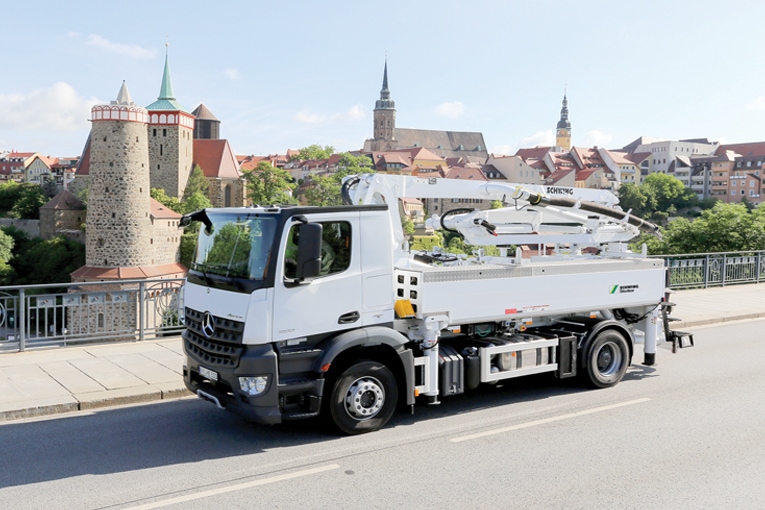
(364, 398)
(609, 360)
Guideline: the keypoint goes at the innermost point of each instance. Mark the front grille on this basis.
(223, 348)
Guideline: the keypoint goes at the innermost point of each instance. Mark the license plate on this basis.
(208, 374)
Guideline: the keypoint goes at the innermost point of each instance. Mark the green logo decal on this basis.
(614, 289)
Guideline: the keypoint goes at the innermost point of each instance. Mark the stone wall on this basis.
(31, 227)
(118, 228)
(166, 241)
(58, 221)
(237, 192)
(171, 154)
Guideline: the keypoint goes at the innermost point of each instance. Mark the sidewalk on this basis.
(50, 381)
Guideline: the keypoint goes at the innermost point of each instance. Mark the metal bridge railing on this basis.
(35, 316)
(702, 270)
(56, 315)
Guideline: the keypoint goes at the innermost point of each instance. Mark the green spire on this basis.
(166, 100)
(166, 90)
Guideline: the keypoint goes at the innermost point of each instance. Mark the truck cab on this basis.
(270, 290)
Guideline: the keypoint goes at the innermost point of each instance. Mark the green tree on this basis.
(9, 193)
(47, 261)
(408, 225)
(325, 190)
(725, 227)
(313, 152)
(197, 183)
(666, 189)
(6, 253)
(268, 185)
(195, 202)
(163, 198)
(28, 204)
(631, 198)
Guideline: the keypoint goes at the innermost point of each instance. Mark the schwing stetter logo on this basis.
(624, 289)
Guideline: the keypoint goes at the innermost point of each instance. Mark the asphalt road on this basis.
(687, 433)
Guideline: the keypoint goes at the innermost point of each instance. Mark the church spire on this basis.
(166, 100)
(385, 92)
(563, 128)
(385, 102)
(166, 89)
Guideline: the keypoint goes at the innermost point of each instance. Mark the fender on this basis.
(596, 328)
(371, 336)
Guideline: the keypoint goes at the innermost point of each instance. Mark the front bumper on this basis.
(291, 399)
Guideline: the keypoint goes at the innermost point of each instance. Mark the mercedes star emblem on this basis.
(208, 326)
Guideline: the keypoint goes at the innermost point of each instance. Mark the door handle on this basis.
(349, 318)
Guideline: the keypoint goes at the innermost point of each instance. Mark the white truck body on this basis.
(378, 326)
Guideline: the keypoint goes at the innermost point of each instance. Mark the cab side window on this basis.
(335, 248)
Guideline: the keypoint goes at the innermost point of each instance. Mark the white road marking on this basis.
(233, 488)
(547, 420)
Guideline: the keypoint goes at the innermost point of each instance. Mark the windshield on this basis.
(236, 245)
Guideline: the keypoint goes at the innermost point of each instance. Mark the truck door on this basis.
(331, 302)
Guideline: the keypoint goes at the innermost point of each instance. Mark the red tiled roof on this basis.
(129, 273)
(744, 149)
(64, 201)
(533, 153)
(466, 174)
(159, 211)
(215, 158)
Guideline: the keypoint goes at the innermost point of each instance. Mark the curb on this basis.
(717, 320)
(96, 400)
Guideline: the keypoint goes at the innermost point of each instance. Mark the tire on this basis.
(607, 359)
(363, 398)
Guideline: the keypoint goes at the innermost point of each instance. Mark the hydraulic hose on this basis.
(345, 189)
(645, 226)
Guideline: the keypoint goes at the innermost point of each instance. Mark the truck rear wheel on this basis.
(363, 398)
(607, 359)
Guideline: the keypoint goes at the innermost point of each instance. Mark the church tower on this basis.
(171, 140)
(118, 231)
(563, 130)
(384, 117)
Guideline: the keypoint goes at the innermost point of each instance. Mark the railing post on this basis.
(22, 320)
(724, 269)
(706, 271)
(141, 310)
(757, 263)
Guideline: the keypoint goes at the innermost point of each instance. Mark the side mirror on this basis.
(309, 251)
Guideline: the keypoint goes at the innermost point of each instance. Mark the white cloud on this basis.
(307, 116)
(133, 51)
(539, 139)
(356, 113)
(503, 150)
(598, 138)
(57, 108)
(233, 74)
(451, 110)
(757, 104)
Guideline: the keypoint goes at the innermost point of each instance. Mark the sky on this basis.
(288, 74)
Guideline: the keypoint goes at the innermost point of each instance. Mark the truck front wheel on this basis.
(607, 359)
(363, 398)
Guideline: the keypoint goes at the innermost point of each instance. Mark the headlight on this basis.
(253, 386)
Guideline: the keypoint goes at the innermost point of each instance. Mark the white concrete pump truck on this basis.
(292, 312)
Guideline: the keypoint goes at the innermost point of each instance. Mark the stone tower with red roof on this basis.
(171, 140)
(124, 234)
